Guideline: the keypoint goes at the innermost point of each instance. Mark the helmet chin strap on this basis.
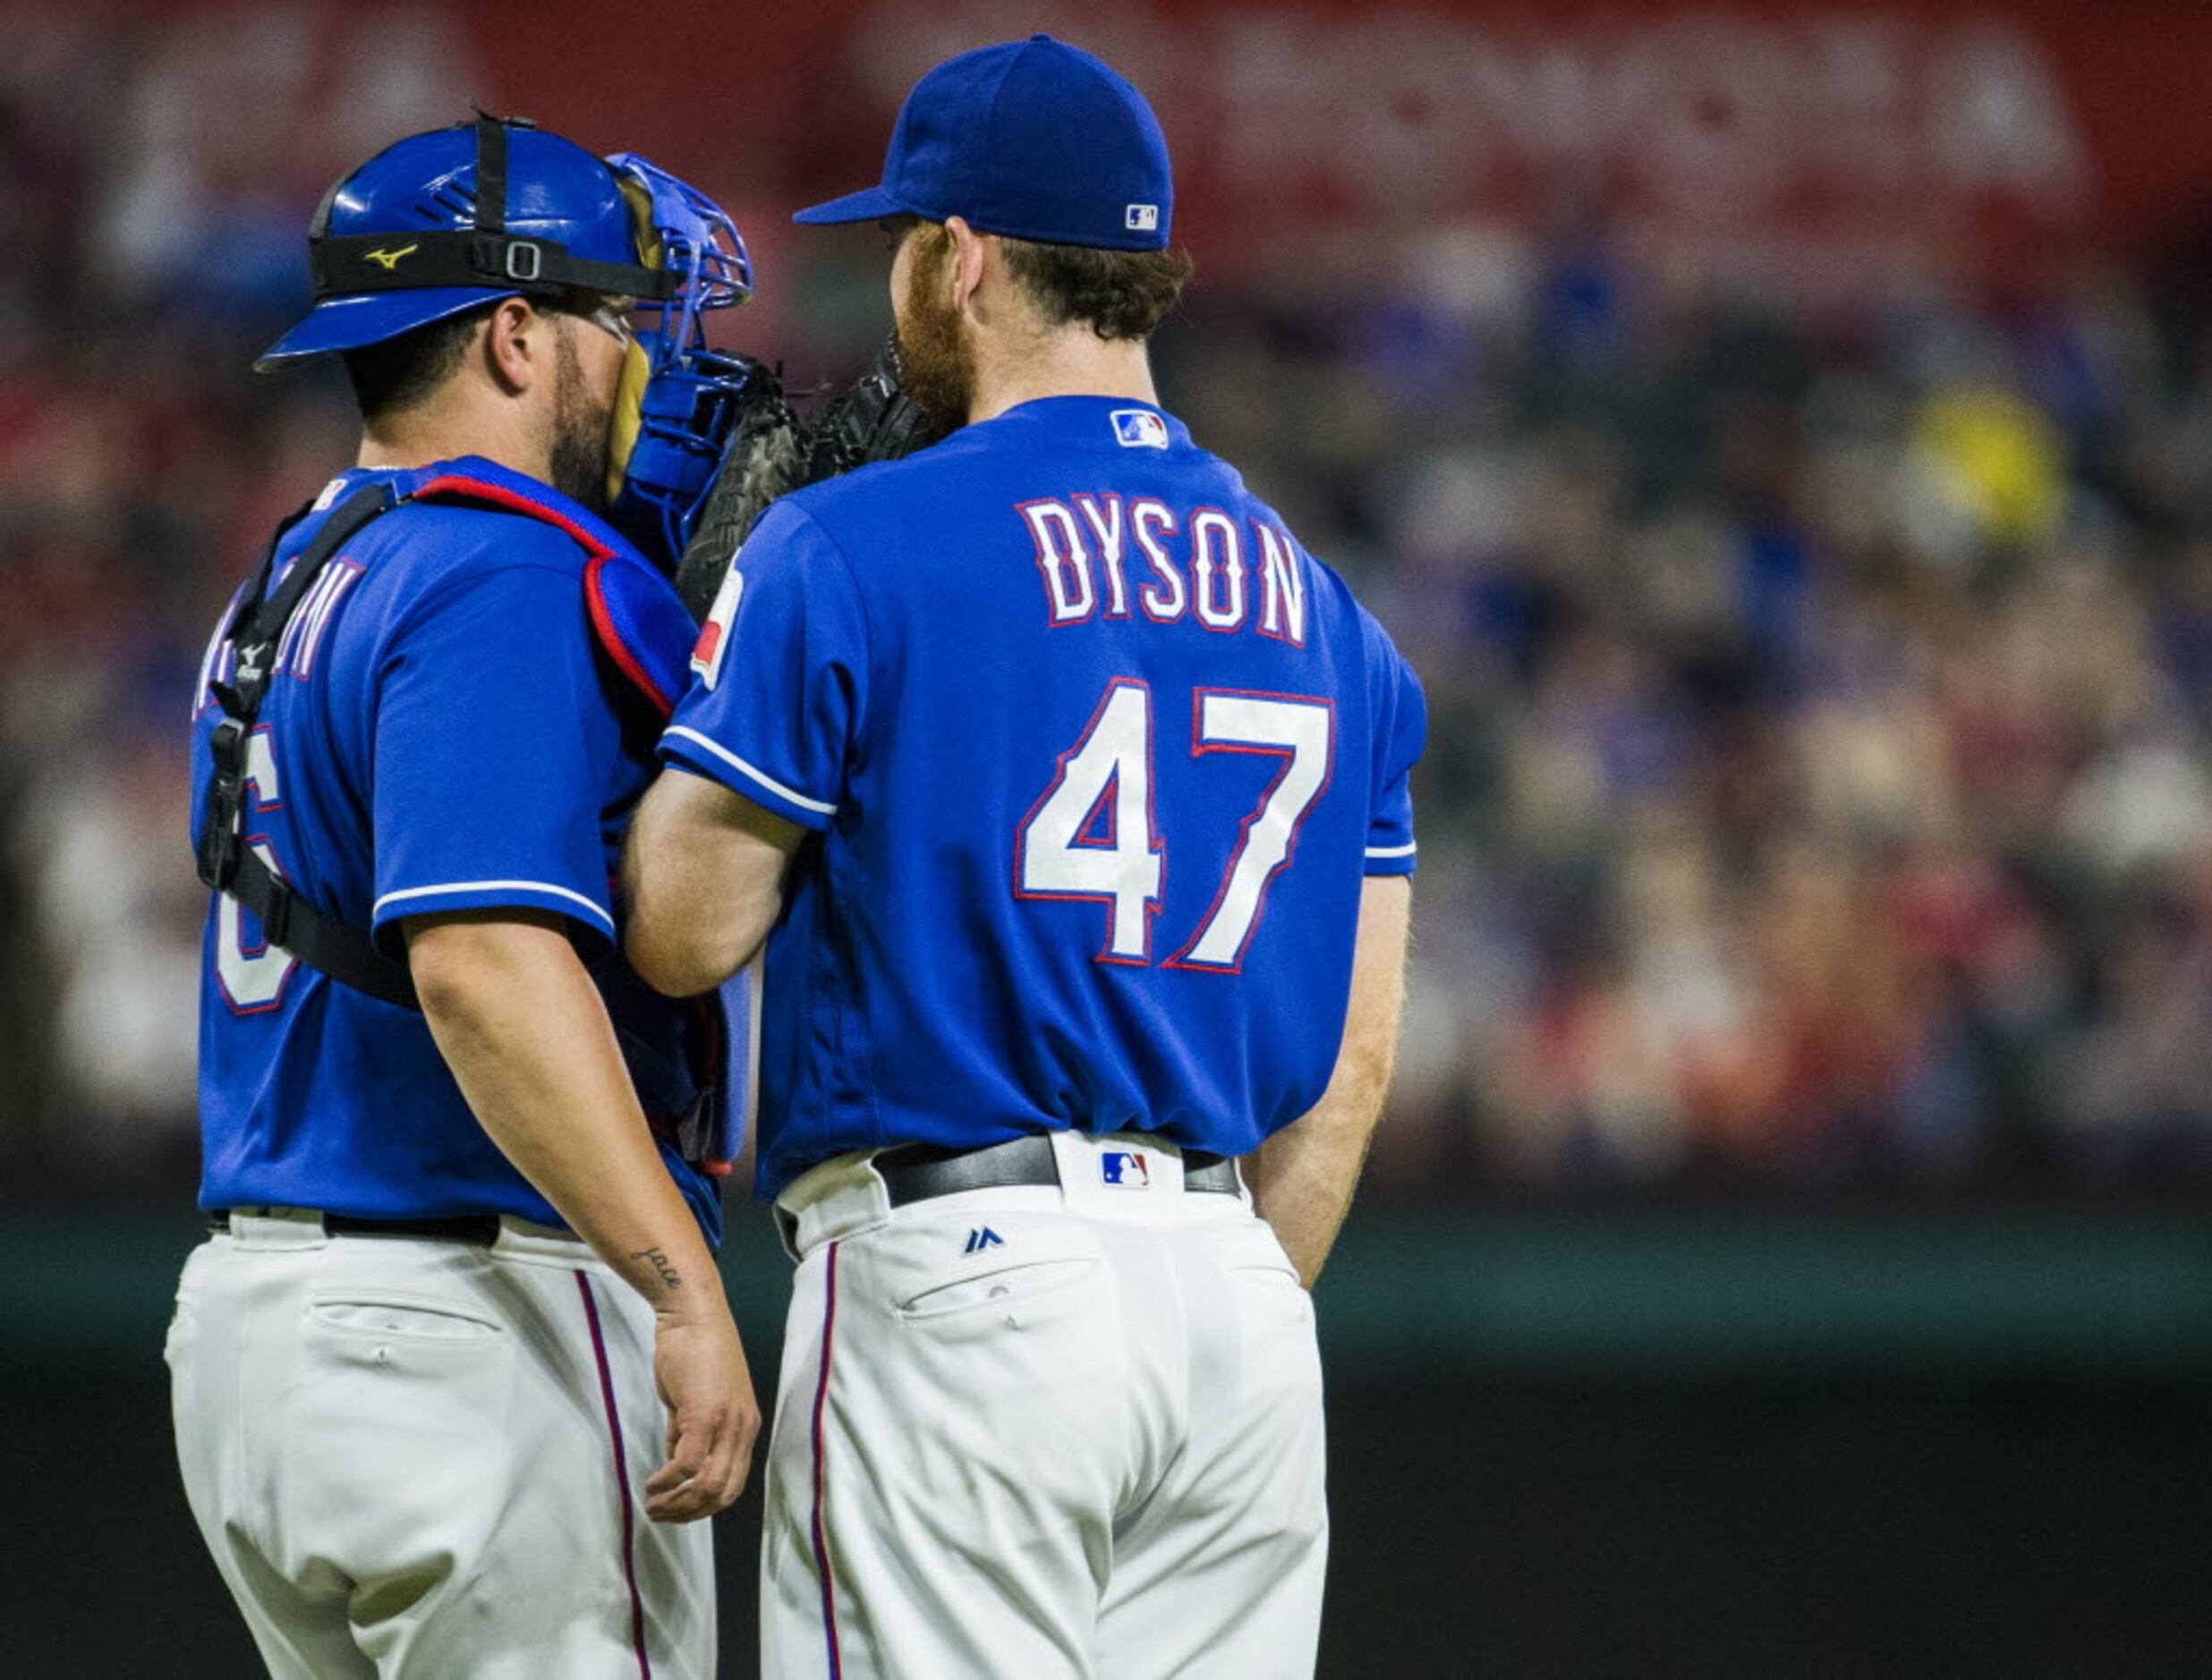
(639, 364)
(629, 417)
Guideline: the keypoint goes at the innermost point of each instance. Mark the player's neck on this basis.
(441, 432)
(1071, 362)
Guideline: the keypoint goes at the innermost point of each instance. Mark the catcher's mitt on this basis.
(773, 452)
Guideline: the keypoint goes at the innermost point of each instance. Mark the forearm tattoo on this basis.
(659, 1261)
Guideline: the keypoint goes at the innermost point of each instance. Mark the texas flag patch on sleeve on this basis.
(713, 645)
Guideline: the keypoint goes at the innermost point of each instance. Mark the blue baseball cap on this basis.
(1036, 139)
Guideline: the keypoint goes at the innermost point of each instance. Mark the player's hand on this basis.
(700, 1366)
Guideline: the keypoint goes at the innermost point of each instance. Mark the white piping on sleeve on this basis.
(493, 887)
(761, 776)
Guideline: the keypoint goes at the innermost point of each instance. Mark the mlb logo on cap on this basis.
(1139, 429)
(1142, 218)
(1125, 1169)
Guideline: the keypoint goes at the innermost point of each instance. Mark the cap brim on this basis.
(370, 318)
(871, 205)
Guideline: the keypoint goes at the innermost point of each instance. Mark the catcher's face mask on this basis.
(678, 399)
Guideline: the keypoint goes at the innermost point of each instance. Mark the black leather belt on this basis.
(480, 1228)
(914, 1172)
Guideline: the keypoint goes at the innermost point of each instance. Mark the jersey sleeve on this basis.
(781, 674)
(493, 743)
(1401, 729)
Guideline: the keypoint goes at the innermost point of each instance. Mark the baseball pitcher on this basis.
(1069, 793)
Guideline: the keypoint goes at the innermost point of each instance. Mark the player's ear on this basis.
(517, 345)
(968, 260)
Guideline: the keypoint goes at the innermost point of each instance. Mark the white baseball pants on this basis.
(1037, 1432)
(419, 1458)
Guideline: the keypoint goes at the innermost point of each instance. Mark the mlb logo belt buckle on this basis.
(1124, 1169)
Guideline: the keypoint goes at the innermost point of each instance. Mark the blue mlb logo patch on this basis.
(1142, 218)
(1139, 429)
(1125, 1169)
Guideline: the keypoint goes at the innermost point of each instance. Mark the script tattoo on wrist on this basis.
(660, 1264)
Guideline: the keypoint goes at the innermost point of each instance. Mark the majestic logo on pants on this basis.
(1125, 1169)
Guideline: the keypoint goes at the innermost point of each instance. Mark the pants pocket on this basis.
(1009, 1285)
(418, 1317)
(948, 1270)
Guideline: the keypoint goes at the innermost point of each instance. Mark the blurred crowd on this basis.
(1820, 783)
(1820, 793)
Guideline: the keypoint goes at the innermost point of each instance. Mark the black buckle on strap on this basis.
(276, 912)
(219, 844)
(228, 744)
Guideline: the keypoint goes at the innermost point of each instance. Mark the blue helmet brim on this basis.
(873, 204)
(348, 323)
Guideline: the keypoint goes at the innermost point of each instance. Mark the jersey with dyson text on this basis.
(1096, 758)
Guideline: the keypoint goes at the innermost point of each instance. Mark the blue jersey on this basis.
(442, 732)
(1095, 757)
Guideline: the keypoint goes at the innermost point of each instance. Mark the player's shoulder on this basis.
(451, 539)
(890, 489)
(510, 515)
(974, 474)
(1345, 616)
(471, 517)
(1330, 585)
(869, 517)
(1379, 645)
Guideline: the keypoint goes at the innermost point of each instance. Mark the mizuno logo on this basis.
(390, 259)
(981, 1238)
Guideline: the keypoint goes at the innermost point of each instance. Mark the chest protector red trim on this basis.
(636, 615)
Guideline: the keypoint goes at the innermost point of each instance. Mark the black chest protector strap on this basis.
(227, 863)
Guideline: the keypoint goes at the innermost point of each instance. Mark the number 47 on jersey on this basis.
(1093, 834)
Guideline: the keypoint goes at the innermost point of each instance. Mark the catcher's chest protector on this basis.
(636, 617)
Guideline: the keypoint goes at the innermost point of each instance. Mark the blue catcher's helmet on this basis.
(442, 222)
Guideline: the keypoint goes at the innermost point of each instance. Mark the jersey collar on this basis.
(1104, 422)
